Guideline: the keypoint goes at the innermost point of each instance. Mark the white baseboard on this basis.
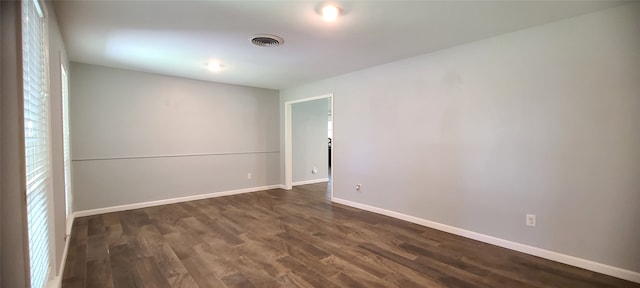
(70, 220)
(313, 181)
(555, 256)
(56, 282)
(171, 201)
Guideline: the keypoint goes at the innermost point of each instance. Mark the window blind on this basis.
(65, 132)
(36, 139)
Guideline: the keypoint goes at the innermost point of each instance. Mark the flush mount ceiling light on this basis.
(330, 11)
(215, 66)
(266, 40)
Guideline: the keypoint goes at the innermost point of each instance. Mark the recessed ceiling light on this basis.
(214, 66)
(330, 12)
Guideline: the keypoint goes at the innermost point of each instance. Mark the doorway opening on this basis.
(289, 142)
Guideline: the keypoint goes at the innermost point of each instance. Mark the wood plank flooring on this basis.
(294, 238)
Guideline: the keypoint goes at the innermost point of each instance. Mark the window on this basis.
(65, 134)
(36, 134)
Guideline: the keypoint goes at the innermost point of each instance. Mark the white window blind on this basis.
(65, 132)
(36, 139)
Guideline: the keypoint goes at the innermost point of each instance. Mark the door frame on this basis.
(288, 145)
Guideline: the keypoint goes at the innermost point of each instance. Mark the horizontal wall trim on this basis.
(313, 181)
(535, 251)
(132, 206)
(172, 156)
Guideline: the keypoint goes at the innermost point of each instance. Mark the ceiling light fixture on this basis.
(330, 12)
(214, 66)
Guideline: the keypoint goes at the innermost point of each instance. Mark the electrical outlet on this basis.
(314, 170)
(358, 187)
(531, 220)
(249, 176)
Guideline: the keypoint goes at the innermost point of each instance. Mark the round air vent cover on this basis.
(266, 40)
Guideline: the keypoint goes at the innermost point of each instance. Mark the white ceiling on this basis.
(179, 37)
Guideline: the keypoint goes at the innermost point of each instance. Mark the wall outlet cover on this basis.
(531, 220)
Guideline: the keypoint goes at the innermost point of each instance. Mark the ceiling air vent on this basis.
(266, 40)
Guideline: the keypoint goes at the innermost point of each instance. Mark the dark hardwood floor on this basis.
(294, 238)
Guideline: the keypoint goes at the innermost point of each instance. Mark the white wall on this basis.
(310, 140)
(57, 56)
(544, 120)
(13, 237)
(141, 137)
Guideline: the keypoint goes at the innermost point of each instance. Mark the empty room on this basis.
(319, 143)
